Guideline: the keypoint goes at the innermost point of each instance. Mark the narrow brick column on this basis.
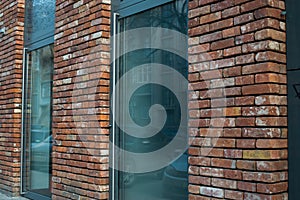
(11, 45)
(81, 100)
(237, 69)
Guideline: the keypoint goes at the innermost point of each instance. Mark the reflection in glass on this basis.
(169, 182)
(40, 20)
(38, 139)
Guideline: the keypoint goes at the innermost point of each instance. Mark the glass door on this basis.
(37, 109)
(150, 96)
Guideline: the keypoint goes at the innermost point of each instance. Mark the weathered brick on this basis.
(222, 64)
(261, 46)
(268, 12)
(232, 111)
(247, 186)
(199, 11)
(222, 142)
(222, 5)
(221, 24)
(261, 111)
(262, 176)
(230, 32)
(195, 189)
(260, 24)
(271, 121)
(213, 172)
(253, 5)
(245, 121)
(211, 37)
(241, 19)
(260, 89)
(213, 192)
(231, 12)
(199, 30)
(231, 194)
(225, 163)
(250, 196)
(263, 67)
(245, 143)
(264, 154)
(244, 80)
(246, 164)
(232, 91)
(267, 78)
(261, 132)
(232, 132)
(223, 183)
(247, 100)
(199, 180)
(272, 188)
(210, 17)
(244, 59)
(244, 38)
(232, 153)
(270, 56)
(232, 71)
(272, 165)
(221, 44)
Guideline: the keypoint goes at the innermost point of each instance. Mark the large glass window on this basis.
(151, 104)
(37, 99)
(39, 22)
(38, 139)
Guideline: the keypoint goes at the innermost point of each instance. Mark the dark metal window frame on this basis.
(126, 8)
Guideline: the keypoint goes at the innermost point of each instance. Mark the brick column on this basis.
(11, 45)
(81, 100)
(238, 71)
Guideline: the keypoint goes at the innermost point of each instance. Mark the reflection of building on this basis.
(237, 69)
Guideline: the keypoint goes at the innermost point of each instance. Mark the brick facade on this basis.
(240, 86)
(81, 92)
(237, 71)
(11, 46)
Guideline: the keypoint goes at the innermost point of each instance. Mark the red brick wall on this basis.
(238, 74)
(240, 94)
(11, 45)
(81, 100)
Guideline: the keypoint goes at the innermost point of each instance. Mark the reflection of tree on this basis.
(172, 16)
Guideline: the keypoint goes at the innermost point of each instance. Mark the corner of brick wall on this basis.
(11, 46)
(237, 70)
(81, 100)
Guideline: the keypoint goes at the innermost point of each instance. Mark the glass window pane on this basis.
(38, 139)
(39, 21)
(141, 56)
